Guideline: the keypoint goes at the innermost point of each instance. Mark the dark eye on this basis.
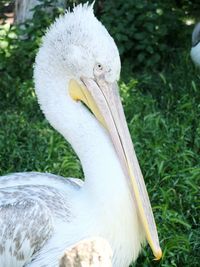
(99, 66)
(98, 69)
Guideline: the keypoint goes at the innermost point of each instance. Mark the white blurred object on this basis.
(94, 252)
(195, 51)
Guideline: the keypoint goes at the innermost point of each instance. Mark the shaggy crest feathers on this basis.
(80, 13)
(78, 38)
(82, 8)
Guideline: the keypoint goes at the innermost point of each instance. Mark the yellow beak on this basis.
(104, 101)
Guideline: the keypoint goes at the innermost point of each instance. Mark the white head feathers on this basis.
(77, 41)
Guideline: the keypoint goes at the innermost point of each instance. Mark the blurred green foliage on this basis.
(148, 32)
(144, 30)
(160, 93)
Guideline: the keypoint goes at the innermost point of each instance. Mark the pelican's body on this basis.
(43, 214)
(195, 50)
(72, 212)
(101, 206)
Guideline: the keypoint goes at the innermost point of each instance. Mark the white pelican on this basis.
(43, 214)
(195, 51)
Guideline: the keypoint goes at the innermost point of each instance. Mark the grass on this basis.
(163, 112)
(165, 121)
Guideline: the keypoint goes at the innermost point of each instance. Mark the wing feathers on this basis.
(25, 226)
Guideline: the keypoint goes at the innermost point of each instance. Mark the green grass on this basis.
(165, 124)
(163, 112)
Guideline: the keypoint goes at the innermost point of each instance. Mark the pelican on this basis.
(41, 214)
(195, 51)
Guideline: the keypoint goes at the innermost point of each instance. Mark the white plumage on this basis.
(42, 214)
(195, 50)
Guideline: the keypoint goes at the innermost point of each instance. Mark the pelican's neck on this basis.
(101, 166)
(91, 142)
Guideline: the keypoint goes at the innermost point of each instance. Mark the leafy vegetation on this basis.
(141, 33)
(162, 106)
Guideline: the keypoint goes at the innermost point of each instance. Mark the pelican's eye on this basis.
(98, 69)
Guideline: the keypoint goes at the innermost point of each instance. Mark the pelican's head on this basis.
(195, 51)
(79, 63)
(82, 45)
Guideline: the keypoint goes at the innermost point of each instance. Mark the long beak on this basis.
(104, 101)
